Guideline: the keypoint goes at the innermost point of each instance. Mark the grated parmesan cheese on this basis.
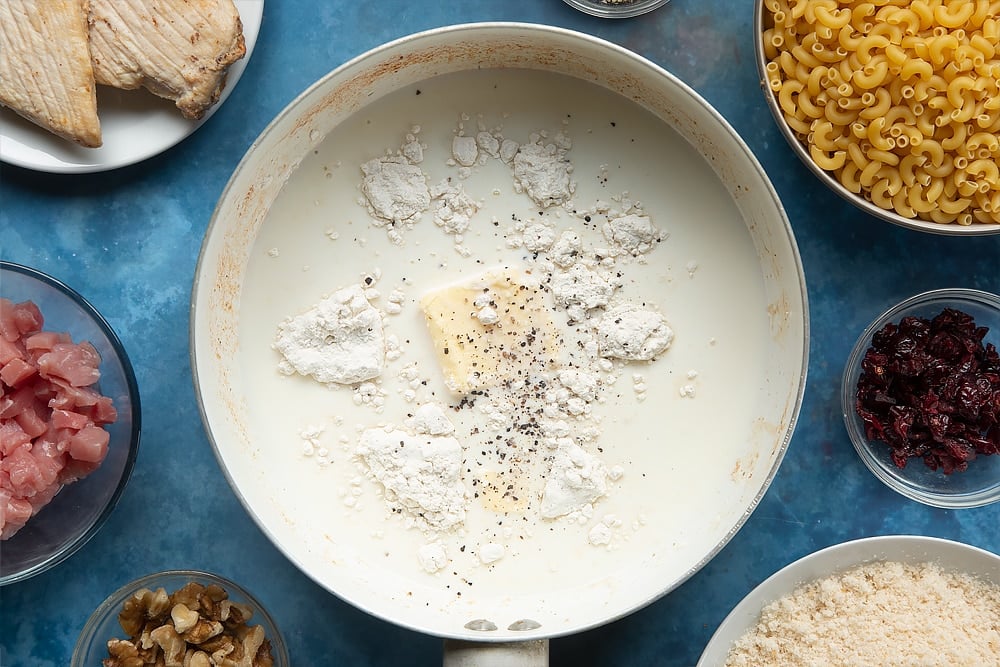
(887, 613)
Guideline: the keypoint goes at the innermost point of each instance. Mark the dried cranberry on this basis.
(930, 389)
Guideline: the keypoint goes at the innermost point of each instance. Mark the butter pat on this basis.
(493, 329)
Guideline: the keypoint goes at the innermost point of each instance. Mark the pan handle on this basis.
(459, 653)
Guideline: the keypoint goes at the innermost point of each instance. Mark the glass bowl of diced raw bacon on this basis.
(69, 421)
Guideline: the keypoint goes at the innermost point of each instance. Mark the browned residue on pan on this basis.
(762, 431)
(779, 315)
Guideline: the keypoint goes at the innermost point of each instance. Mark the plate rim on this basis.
(251, 15)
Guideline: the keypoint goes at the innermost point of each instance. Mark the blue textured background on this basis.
(128, 241)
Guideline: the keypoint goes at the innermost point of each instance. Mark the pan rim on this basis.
(535, 31)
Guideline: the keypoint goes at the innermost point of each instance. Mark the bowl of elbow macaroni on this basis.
(895, 107)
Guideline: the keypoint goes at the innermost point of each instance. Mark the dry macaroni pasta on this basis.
(898, 99)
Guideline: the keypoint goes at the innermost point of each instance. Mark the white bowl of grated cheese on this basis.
(868, 602)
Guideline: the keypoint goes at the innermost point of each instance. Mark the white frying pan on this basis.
(697, 435)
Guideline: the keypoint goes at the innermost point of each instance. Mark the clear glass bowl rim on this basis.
(113, 603)
(618, 10)
(943, 296)
(69, 548)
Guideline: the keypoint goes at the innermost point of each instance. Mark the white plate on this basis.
(135, 124)
(912, 549)
(289, 229)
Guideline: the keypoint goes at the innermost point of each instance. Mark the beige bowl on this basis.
(863, 200)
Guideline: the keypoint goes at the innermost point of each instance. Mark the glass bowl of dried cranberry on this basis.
(921, 398)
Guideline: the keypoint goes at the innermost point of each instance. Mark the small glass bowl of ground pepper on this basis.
(616, 9)
(921, 398)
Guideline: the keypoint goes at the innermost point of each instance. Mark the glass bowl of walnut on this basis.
(180, 617)
(921, 398)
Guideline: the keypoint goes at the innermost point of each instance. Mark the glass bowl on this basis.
(763, 19)
(979, 484)
(103, 625)
(80, 508)
(950, 556)
(616, 9)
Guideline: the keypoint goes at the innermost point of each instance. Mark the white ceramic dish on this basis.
(135, 124)
(913, 549)
(289, 229)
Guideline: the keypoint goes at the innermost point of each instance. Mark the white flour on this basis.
(453, 207)
(420, 471)
(633, 233)
(395, 189)
(488, 143)
(339, 340)
(542, 170)
(534, 447)
(453, 211)
(538, 237)
(491, 552)
(603, 531)
(432, 557)
(465, 150)
(580, 289)
(566, 249)
(576, 479)
(627, 331)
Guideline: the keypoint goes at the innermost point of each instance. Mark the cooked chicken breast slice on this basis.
(45, 70)
(177, 49)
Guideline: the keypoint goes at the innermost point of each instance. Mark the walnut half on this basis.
(122, 653)
(196, 626)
